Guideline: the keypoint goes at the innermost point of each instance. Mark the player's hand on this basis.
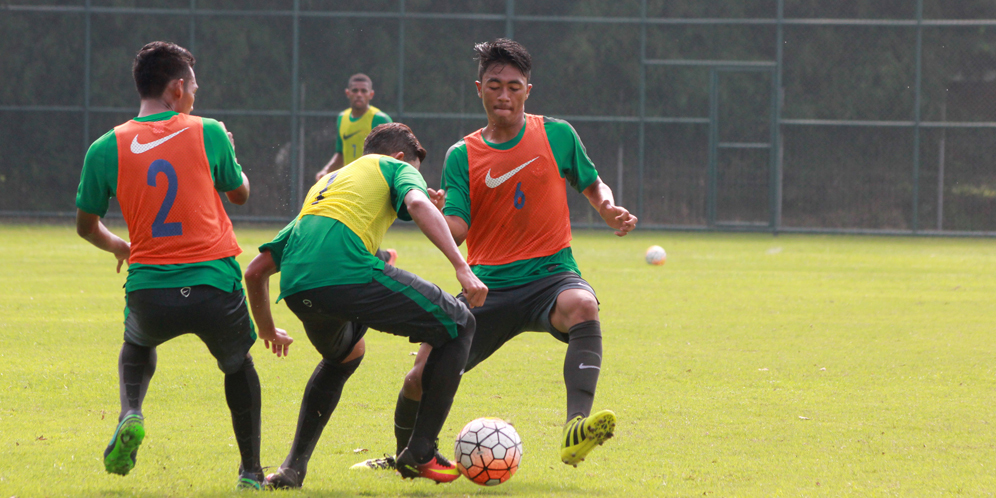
(231, 138)
(438, 198)
(617, 217)
(320, 174)
(122, 253)
(473, 289)
(280, 342)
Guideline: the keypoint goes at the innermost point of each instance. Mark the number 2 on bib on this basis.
(159, 226)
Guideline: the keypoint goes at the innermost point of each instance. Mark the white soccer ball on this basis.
(656, 255)
(488, 451)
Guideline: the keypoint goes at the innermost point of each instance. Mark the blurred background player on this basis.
(504, 192)
(337, 287)
(166, 168)
(354, 124)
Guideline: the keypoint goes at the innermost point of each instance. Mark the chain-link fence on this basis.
(775, 115)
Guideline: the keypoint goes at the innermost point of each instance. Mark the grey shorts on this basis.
(220, 319)
(398, 302)
(511, 311)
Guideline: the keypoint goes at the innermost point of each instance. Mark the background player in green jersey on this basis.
(354, 124)
(182, 276)
(522, 254)
(331, 280)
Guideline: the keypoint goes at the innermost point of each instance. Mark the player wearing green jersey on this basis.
(166, 169)
(331, 280)
(354, 124)
(503, 191)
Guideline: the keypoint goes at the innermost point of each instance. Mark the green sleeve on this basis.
(456, 182)
(379, 119)
(277, 245)
(402, 178)
(225, 170)
(338, 136)
(570, 154)
(99, 179)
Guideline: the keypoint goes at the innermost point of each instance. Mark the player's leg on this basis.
(342, 347)
(136, 365)
(576, 313)
(401, 303)
(221, 320)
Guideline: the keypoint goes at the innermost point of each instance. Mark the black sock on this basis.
(582, 364)
(136, 365)
(321, 396)
(405, 413)
(440, 380)
(242, 393)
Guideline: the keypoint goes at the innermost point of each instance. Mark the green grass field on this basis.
(748, 365)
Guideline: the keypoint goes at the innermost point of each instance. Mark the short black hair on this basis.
(391, 138)
(502, 51)
(360, 77)
(158, 63)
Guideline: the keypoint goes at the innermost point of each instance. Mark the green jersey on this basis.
(99, 181)
(342, 223)
(574, 165)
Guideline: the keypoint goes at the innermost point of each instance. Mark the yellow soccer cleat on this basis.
(582, 434)
(386, 463)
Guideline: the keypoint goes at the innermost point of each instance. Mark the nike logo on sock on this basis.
(583, 366)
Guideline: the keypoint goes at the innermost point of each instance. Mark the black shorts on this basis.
(219, 318)
(397, 302)
(511, 311)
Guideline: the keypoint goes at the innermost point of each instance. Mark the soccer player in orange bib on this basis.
(166, 168)
(504, 192)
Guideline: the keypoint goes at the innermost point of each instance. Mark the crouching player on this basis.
(331, 279)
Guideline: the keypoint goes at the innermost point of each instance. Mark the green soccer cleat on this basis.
(119, 457)
(386, 463)
(582, 434)
(250, 481)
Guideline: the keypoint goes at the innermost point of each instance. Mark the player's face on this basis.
(359, 94)
(503, 90)
(185, 104)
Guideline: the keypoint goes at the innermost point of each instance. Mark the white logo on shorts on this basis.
(185, 291)
(306, 302)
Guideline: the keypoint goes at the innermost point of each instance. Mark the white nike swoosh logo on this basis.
(583, 366)
(137, 148)
(494, 182)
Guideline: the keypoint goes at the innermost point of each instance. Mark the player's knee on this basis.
(235, 363)
(412, 387)
(581, 307)
(348, 366)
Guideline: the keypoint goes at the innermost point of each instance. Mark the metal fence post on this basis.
(86, 80)
(917, 115)
(643, 108)
(401, 60)
(297, 173)
(775, 191)
(510, 19)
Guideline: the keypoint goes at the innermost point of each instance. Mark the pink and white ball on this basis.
(656, 255)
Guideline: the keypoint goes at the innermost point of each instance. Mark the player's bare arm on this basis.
(617, 217)
(240, 195)
(428, 218)
(258, 291)
(90, 228)
(333, 164)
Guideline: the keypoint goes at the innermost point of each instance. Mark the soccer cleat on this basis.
(386, 463)
(283, 478)
(582, 434)
(120, 455)
(250, 481)
(438, 469)
(393, 258)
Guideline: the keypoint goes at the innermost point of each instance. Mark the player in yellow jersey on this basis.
(331, 280)
(354, 124)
